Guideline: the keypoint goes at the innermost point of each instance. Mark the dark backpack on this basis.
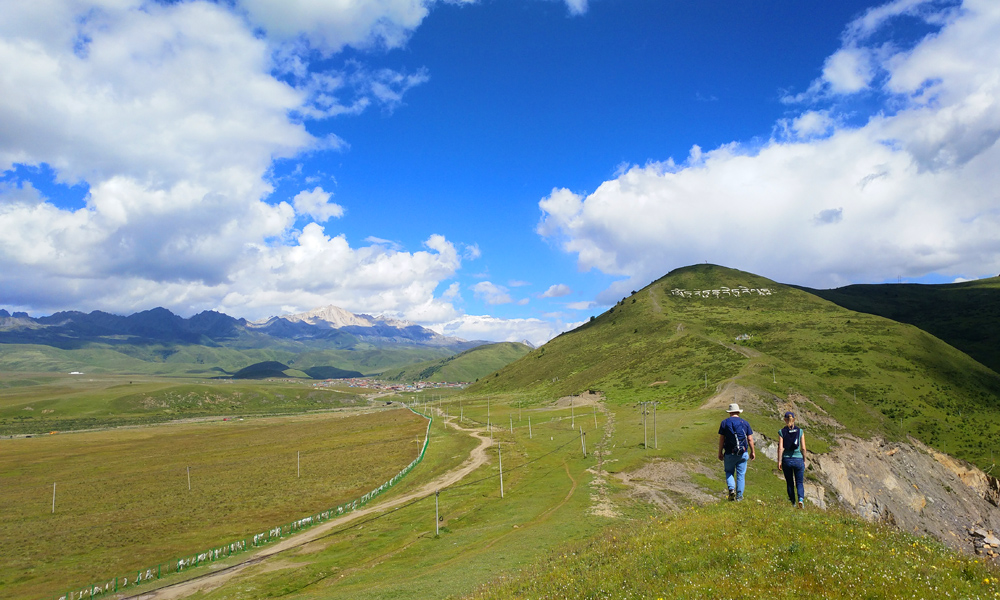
(736, 438)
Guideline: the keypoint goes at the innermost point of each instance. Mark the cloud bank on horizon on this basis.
(168, 120)
(826, 201)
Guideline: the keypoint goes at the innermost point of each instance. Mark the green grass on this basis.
(188, 360)
(466, 366)
(44, 403)
(749, 550)
(965, 315)
(122, 497)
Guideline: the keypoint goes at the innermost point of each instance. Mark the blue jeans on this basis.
(795, 471)
(736, 469)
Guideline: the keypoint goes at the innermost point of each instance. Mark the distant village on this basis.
(389, 386)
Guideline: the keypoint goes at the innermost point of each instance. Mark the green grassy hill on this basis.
(966, 315)
(873, 375)
(204, 361)
(750, 550)
(466, 366)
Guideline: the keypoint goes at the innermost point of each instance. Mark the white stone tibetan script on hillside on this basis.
(722, 292)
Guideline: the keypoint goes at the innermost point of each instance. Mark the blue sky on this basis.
(494, 169)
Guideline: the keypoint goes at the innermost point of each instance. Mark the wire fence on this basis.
(143, 576)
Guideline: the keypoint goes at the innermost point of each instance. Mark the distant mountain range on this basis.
(329, 326)
(157, 341)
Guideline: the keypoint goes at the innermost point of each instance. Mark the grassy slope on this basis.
(43, 403)
(750, 550)
(194, 360)
(874, 375)
(966, 315)
(466, 366)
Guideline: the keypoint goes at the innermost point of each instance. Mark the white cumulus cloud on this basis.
(317, 205)
(909, 192)
(557, 291)
(490, 293)
(171, 116)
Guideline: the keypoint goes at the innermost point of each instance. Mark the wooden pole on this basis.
(645, 439)
(500, 455)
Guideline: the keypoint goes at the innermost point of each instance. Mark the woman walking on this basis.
(791, 459)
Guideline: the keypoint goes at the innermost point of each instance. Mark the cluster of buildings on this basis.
(389, 386)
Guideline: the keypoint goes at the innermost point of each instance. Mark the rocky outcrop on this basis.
(911, 486)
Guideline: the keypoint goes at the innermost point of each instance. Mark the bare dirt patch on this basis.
(587, 398)
(731, 392)
(668, 485)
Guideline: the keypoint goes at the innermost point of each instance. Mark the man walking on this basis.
(735, 448)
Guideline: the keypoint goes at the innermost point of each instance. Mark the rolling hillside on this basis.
(966, 315)
(466, 366)
(686, 336)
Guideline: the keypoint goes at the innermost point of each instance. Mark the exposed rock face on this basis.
(912, 486)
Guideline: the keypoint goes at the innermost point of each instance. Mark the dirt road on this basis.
(210, 581)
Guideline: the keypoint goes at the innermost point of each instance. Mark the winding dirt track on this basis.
(210, 581)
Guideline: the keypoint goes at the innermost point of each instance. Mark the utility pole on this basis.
(500, 455)
(645, 439)
(583, 441)
(656, 443)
